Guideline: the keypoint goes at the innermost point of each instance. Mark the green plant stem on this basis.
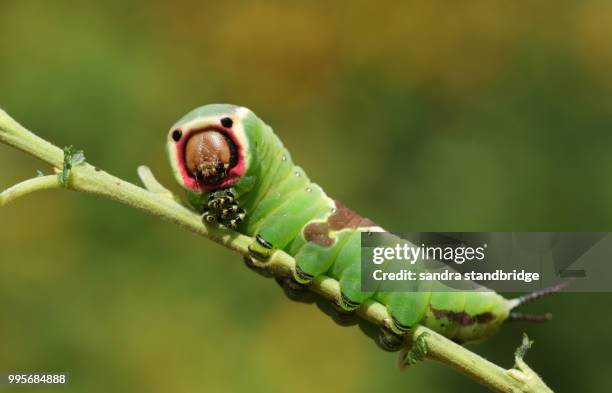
(27, 187)
(157, 200)
(151, 183)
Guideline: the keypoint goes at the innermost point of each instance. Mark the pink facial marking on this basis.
(234, 173)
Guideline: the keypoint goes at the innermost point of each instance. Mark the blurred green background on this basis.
(423, 115)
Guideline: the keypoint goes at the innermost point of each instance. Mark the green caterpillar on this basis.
(238, 173)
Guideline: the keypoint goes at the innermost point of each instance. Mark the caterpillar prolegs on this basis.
(237, 172)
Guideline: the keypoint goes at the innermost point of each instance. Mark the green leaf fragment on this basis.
(39, 173)
(523, 348)
(418, 351)
(72, 157)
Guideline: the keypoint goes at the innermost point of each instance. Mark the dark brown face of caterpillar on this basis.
(209, 155)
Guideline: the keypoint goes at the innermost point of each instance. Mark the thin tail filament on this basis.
(519, 301)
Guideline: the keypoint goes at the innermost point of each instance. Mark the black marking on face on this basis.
(227, 122)
(176, 135)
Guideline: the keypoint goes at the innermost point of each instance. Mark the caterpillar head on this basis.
(208, 147)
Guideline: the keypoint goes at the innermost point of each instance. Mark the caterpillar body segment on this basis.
(252, 185)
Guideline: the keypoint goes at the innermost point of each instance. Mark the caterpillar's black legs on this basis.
(389, 338)
(346, 305)
(260, 249)
(251, 264)
(219, 199)
(340, 316)
(223, 208)
(295, 291)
